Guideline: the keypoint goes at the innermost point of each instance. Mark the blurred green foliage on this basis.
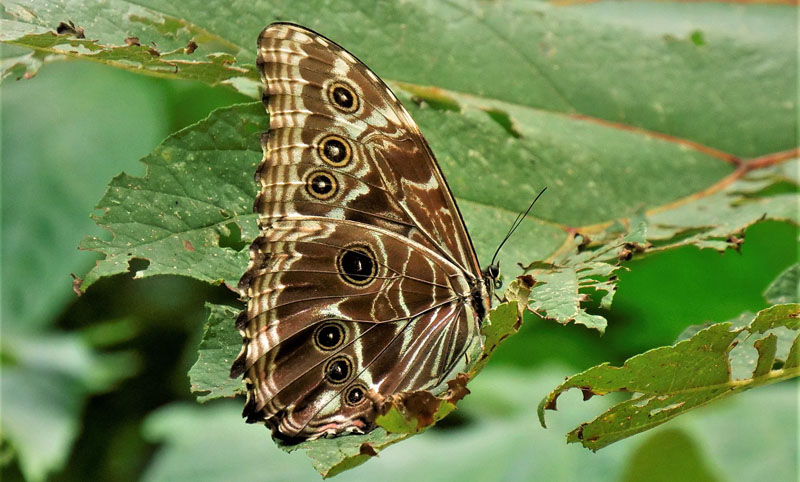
(66, 132)
(96, 388)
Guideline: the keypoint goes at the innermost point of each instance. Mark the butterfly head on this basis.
(491, 276)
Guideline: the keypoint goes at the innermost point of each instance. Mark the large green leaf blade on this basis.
(706, 72)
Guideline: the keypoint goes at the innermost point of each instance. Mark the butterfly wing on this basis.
(362, 281)
(325, 291)
(329, 109)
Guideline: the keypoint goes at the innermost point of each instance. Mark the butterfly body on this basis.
(363, 282)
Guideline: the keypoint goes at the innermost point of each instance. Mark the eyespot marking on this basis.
(357, 265)
(355, 395)
(335, 150)
(338, 370)
(321, 185)
(343, 97)
(329, 336)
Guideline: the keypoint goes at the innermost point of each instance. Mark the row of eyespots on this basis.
(333, 150)
(330, 336)
(356, 264)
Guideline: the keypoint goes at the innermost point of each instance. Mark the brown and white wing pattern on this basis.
(363, 282)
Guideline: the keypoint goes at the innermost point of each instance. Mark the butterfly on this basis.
(363, 282)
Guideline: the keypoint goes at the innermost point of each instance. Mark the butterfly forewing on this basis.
(303, 72)
(363, 282)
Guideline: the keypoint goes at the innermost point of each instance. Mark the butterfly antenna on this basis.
(517, 222)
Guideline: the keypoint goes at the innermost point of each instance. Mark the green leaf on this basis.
(502, 322)
(717, 219)
(192, 212)
(215, 70)
(333, 456)
(685, 75)
(669, 455)
(669, 381)
(218, 348)
(556, 291)
(45, 384)
(786, 287)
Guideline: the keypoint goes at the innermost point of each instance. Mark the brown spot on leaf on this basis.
(527, 281)
(587, 393)
(457, 388)
(188, 245)
(585, 240)
(367, 449)
(191, 47)
(736, 241)
(579, 431)
(421, 405)
(132, 41)
(76, 284)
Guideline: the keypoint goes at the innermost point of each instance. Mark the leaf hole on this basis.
(231, 237)
(505, 121)
(135, 265)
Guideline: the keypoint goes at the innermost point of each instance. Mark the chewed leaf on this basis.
(669, 381)
(557, 290)
(218, 348)
(140, 39)
(718, 220)
(198, 192)
(415, 412)
(215, 69)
